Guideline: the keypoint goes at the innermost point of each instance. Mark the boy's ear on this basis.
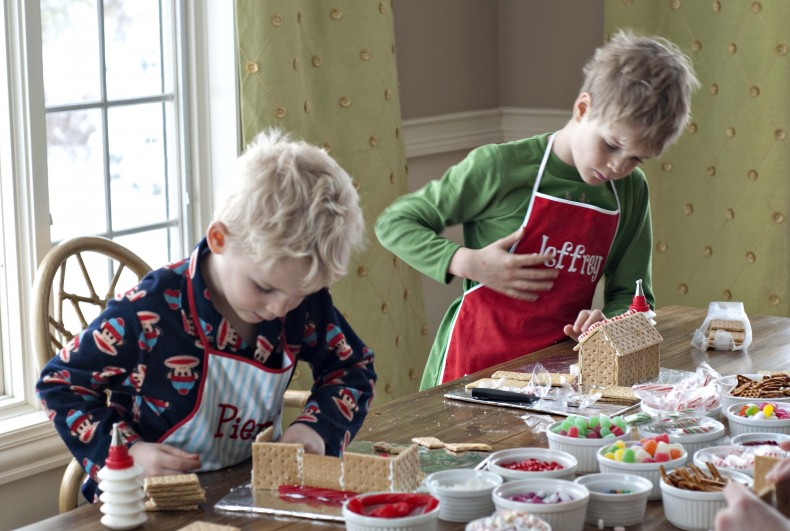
(582, 105)
(217, 237)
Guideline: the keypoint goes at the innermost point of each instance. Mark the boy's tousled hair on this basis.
(290, 199)
(643, 82)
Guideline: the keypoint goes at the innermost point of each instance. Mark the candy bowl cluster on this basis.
(561, 503)
(695, 510)
(526, 463)
(464, 494)
(616, 499)
(735, 457)
(693, 432)
(757, 417)
(391, 511)
(583, 437)
(509, 519)
(643, 458)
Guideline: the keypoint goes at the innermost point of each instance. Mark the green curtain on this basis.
(327, 72)
(720, 195)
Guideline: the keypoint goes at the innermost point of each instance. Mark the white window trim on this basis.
(28, 442)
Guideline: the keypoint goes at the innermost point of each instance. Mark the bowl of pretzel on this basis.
(750, 387)
(693, 495)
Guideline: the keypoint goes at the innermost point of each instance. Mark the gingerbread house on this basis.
(621, 351)
(275, 464)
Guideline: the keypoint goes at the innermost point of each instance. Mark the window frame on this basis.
(207, 79)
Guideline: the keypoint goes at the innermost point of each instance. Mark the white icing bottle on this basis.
(639, 303)
(121, 483)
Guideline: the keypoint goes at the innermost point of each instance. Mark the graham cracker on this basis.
(467, 447)
(497, 383)
(207, 526)
(368, 473)
(387, 448)
(168, 483)
(727, 325)
(322, 471)
(618, 394)
(151, 506)
(276, 464)
(431, 443)
(557, 378)
(762, 465)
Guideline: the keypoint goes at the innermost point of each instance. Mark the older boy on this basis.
(196, 357)
(547, 217)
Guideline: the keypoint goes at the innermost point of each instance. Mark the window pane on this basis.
(133, 48)
(70, 51)
(156, 247)
(76, 173)
(137, 165)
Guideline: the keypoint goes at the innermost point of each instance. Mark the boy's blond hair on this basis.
(643, 82)
(290, 199)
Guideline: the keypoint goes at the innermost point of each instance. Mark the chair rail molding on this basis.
(465, 130)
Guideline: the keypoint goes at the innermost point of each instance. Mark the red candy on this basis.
(532, 465)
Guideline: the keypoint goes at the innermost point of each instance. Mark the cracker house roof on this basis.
(628, 333)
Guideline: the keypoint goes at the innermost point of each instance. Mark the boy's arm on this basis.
(72, 386)
(631, 256)
(343, 375)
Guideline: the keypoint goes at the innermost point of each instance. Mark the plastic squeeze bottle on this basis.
(639, 303)
(121, 483)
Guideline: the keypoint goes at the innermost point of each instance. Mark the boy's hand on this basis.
(746, 511)
(306, 436)
(515, 275)
(585, 320)
(159, 459)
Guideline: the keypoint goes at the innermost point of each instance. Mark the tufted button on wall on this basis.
(344, 101)
(277, 21)
(692, 128)
(696, 46)
(756, 7)
(299, 17)
(666, 166)
(675, 4)
(357, 185)
(716, 7)
(364, 55)
(714, 89)
(707, 251)
(754, 91)
(688, 209)
(394, 261)
(387, 94)
(778, 217)
(730, 132)
(327, 147)
(781, 48)
(406, 294)
(780, 134)
(729, 213)
(316, 61)
(251, 67)
(362, 271)
(397, 340)
(392, 177)
(711, 171)
(281, 112)
(388, 388)
(385, 307)
(412, 374)
(295, 64)
(732, 48)
(382, 8)
(397, 132)
(774, 300)
(751, 257)
(306, 106)
(336, 14)
(373, 141)
(752, 175)
(662, 247)
(424, 329)
(683, 289)
(727, 295)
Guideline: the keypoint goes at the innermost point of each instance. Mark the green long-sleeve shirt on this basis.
(488, 193)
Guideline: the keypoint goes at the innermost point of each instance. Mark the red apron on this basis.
(238, 398)
(490, 328)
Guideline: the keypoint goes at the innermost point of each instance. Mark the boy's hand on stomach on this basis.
(159, 459)
(306, 436)
(521, 276)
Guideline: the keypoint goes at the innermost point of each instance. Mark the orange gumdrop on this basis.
(650, 446)
(675, 453)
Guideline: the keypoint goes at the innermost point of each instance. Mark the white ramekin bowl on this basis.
(584, 450)
(355, 521)
(646, 470)
(695, 510)
(616, 508)
(464, 494)
(739, 424)
(503, 457)
(693, 432)
(567, 516)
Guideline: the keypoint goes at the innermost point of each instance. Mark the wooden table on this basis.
(428, 413)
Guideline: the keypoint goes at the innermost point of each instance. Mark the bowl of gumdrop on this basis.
(757, 417)
(582, 437)
(643, 458)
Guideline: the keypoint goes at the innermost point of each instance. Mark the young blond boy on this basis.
(196, 357)
(545, 218)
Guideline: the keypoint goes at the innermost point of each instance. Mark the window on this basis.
(95, 105)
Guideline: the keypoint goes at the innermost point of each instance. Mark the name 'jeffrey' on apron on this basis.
(490, 327)
(238, 398)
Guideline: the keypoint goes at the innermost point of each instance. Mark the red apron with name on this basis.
(238, 398)
(490, 328)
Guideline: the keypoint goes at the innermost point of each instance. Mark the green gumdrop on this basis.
(605, 431)
(606, 422)
(557, 429)
(752, 410)
(619, 421)
(594, 421)
(628, 455)
(566, 424)
(581, 423)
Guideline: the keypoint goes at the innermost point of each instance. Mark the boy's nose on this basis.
(278, 306)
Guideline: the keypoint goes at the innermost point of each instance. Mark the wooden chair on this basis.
(67, 295)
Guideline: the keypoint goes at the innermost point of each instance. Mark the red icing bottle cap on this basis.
(118, 457)
(639, 303)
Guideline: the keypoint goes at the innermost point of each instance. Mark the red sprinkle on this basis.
(532, 465)
(313, 495)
